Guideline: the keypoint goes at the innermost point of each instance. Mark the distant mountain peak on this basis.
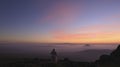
(87, 45)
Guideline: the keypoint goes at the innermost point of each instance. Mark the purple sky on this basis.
(73, 21)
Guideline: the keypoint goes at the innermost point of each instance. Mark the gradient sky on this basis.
(59, 21)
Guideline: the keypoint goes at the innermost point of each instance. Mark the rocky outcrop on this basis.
(112, 60)
(116, 53)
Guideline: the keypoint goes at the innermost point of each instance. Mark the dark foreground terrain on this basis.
(112, 60)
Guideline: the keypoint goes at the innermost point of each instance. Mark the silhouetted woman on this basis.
(54, 56)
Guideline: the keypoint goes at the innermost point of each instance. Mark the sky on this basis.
(60, 21)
